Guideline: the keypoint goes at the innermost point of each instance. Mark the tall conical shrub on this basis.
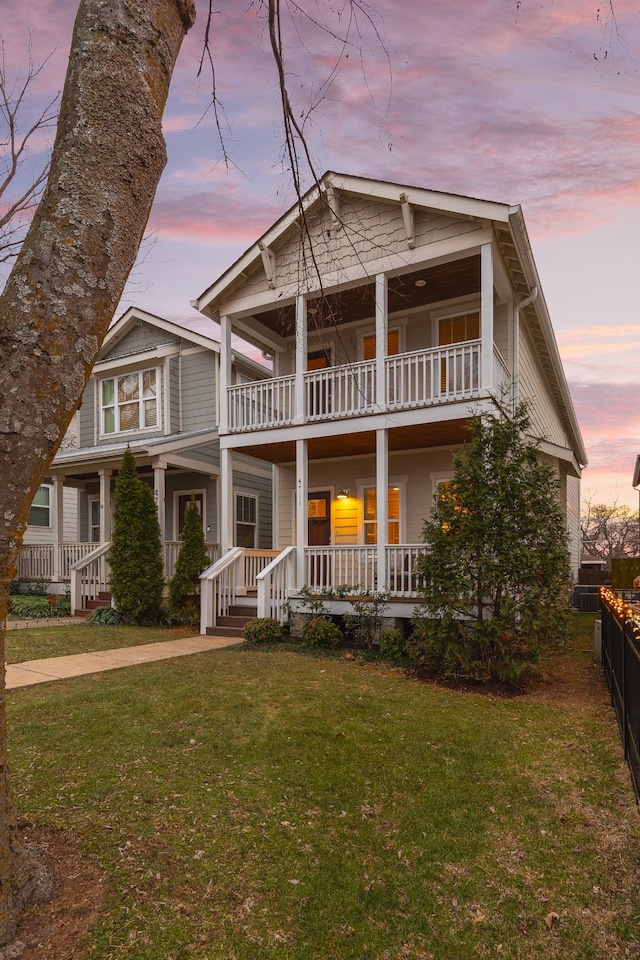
(184, 588)
(135, 556)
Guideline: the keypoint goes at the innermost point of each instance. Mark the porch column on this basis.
(382, 326)
(486, 317)
(225, 374)
(302, 495)
(57, 526)
(382, 504)
(105, 505)
(226, 500)
(301, 356)
(159, 495)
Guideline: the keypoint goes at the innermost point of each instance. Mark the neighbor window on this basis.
(130, 402)
(370, 515)
(40, 513)
(246, 520)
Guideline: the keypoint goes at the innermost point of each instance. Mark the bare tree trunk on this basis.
(66, 284)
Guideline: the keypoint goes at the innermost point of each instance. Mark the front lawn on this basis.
(252, 804)
(37, 643)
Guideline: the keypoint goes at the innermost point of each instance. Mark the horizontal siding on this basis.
(198, 391)
(261, 487)
(533, 389)
(142, 337)
(174, 394)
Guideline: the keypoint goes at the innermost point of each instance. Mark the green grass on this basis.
(36, 643)
(257, 804)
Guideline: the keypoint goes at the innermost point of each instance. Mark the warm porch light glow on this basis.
(344, 494)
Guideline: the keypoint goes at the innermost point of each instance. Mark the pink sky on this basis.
(536, 103)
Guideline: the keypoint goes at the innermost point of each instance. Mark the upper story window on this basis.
(40, 513)
(465, 326)
(369, 344)
(130, 402)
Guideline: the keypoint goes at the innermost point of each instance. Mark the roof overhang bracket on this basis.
(408, 220)
(269, 264)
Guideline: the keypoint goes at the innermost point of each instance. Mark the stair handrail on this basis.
(275, 583)
(76, 570)
(218, 588)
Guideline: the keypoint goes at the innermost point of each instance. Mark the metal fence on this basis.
(621, 662)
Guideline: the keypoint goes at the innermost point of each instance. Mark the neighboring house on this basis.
(155, 389)
(391, 313)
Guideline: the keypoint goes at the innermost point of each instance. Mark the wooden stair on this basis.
(102, 600)
(233, 624)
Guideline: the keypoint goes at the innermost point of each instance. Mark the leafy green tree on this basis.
(135, 555)
(495, 578)
(184, 588)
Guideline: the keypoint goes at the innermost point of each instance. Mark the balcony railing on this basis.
(421, 378)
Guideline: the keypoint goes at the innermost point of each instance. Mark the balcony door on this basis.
(318, 390)
(459, 371)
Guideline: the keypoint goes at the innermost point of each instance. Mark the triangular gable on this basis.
(137, 330)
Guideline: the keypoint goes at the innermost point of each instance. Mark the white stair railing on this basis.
(275, 584)
(89, 577)
(229, 579)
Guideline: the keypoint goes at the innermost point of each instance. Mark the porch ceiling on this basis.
(456, 279)
(414, 437)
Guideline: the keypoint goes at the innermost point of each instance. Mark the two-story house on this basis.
(392, 313)
(154, 389)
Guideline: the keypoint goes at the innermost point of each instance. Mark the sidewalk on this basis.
(60, 668)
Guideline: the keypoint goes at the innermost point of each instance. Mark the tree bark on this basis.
(58, 302)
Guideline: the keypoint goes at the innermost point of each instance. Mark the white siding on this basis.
(533, 388)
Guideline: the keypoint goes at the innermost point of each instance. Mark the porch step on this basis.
(102, 600)
(233, 624)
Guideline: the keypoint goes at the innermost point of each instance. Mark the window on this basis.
(459, 373)
(370, 511)
(94, 519)
(246, 520)
(369, 345)
(466, 326)
(40, 513)
(129, 402)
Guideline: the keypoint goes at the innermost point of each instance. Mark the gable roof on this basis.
(127, 321)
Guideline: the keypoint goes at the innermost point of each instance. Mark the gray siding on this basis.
(140, 338)
(198, 391)
(261, 487)
(174, 395)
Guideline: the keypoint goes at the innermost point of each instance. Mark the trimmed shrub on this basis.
(320, 632)
(263, 630)
(184, 587)
(135, 556)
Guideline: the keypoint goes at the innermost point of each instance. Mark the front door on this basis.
(319, 535)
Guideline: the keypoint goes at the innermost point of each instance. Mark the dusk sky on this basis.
(536, 103)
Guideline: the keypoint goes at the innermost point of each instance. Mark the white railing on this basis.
(35, 562)
(332, 567)
(261, 404)
(402, 579)
(344, 391)
(417, 379)
(275, 584)
(227, 580)
(89, 577)
(172, 549)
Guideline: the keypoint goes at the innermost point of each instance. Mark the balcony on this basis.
(422, 378)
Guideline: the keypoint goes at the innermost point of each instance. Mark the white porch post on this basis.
(301, 356)
(382, 325)
(57, 525)
(486, 317)
(382, 504)
(159, 495)
(225, 373)
(226, 500)
(302, 495)
(105, 505)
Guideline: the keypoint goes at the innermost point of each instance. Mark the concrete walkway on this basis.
(60, 668)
